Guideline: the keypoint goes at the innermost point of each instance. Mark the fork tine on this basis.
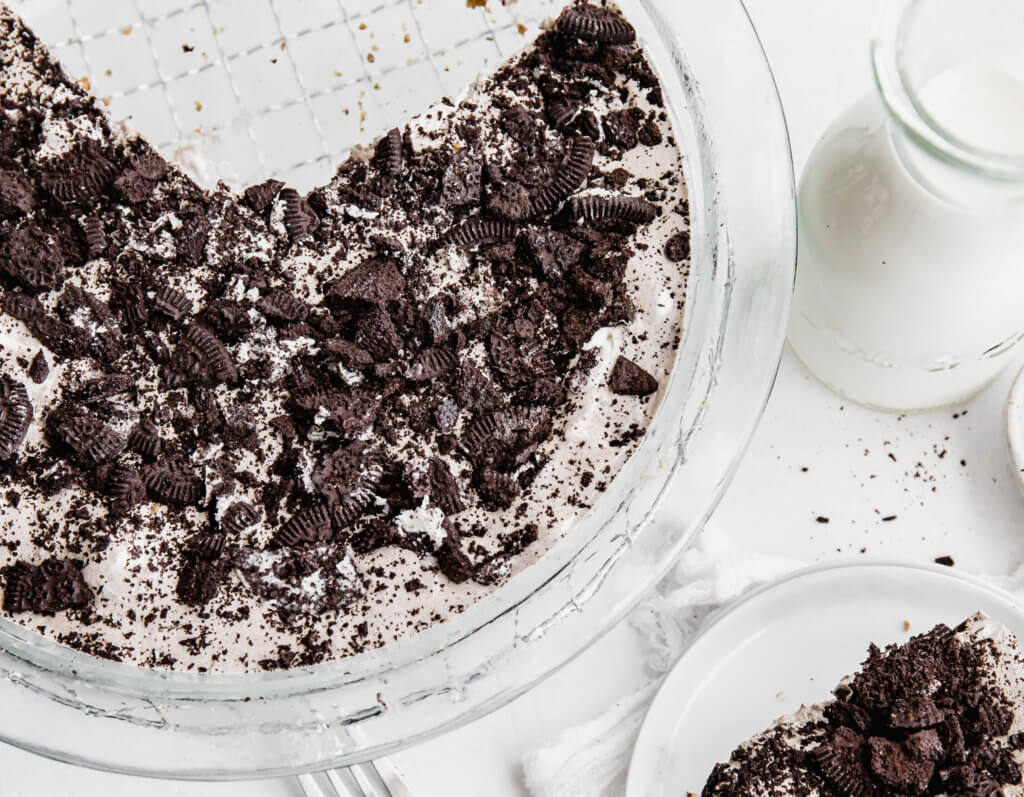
(359, 780)
(310, 787)
(370, 779)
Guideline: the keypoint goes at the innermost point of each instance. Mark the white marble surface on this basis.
(862, 467)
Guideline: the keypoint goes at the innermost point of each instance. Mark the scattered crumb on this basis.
(199, 105)
(187, 48)
(822, 519)
(946, 561)
(906, 625)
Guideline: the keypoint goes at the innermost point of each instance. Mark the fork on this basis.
(359, 780)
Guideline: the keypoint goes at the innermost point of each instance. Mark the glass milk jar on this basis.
(910, 286)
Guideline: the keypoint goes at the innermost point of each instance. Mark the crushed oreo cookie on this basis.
(629, 379)
(47, 588)
(929, 717)
(301, 408)
(15, 416)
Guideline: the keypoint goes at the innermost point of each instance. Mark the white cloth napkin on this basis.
(590, 760)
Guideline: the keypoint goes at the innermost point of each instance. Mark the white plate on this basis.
(1015, 426)
(785, 645)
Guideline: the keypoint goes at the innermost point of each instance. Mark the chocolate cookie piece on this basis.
(347, 479)
(144, 439)
(497, 490)
(173, 485)
(309, 525)
(200, 579)
(435, 317)
(54, 585)
(349, 354)
(376, 333)
(171, 303)
(568, 178)
(555, 254)
(80, 175)
(899, 768)
(434, 480)
(95, 237)
(15, 416)
(90, 441)
(629, 379)
(208, 547)
(31, 257)
(17, 192)
(147, 161)
(622, 128)
(650, 133)
(39, 369)
(192, 236)
(841, 761)
(238, 517)
(560, 111)
(101, 388)
(595, 24)
(915, 713)
(453, 562)
(511, 201)
(615, 208)
(462, 179)
(502, 440)
(299, 218)
(203, 354)
(133, 187)
(258, 197)
(280, 304)
(388, 154)
(677, 248)
(493, 570)
(430, 364)
(477, 231)
(125, 488)
(376, 280)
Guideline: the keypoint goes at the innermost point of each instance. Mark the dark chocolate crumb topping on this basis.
(927, 717)
(289, 411)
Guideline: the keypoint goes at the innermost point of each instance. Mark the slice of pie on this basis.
(258, 430)
(940, 714)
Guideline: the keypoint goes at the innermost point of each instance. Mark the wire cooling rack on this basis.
(277, 88)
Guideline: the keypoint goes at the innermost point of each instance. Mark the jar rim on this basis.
(903, 101)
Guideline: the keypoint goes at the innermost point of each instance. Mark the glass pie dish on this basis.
(718, 88)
